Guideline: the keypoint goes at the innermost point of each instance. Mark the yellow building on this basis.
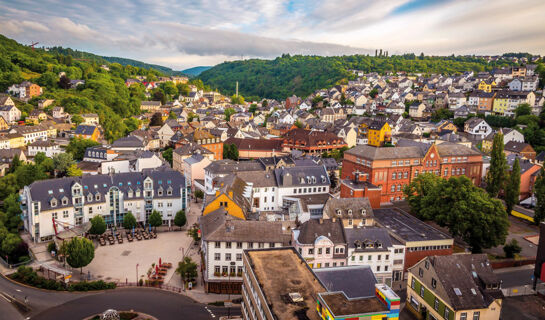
(378, 132)
(231, 196)
(501, 103)
(16, 140)
(487, 85)
(470, 291)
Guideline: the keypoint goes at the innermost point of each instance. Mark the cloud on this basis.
(186, 33)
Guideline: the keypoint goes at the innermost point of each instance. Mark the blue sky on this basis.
(182, 34)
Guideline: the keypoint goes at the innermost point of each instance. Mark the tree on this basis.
(131, 124)
(496, 176)
(228, 113)
(98, 225)
(64, 82)
(467, 211)
(253, 108)
(511, 248)
(10, 243)
(167, 155)
(79, 252)
(63, 162)
(373, 93)
(129, 221)
(333, 180)
(199, 194)
(155, 219)
(77, 147)
(230, 151)
(522, 110)
(180, 219)
(187, 269)
(237, 99)
(77, 119)
(298, 124)
(74, 171)
(512, 187)
(156, 120)
(539, 193)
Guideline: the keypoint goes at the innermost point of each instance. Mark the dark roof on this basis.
(128, 142)
(163, 179)
(85, 130)
(464, 278)
(515, 146)
(354, 281)
(402, 225)
(255, 144)
(339, 208)
(358, 238)
(302, 176)
(227, 166)
(191, 148)
(312, 229)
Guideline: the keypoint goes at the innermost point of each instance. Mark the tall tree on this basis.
(187, 269)
(156, 120)
(180, 219)
(79, 252)
(98, 225)
(496, 176)
(199, 194)
(155, 219)
(129, 221)
(512, 187)
(539, 193)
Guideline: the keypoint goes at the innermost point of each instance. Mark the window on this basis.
(378, 268)
(463, 316)
(354, 258)
(319, 250)
(239, 245)
(422, 292)
(369, 257)
(250, 245)
(310, 251)
(217, 269)
(228, 245)
(64, 201)
(436, 305)
(446, 313)
(327, 250)
(393, 176)
(413, 283)
(405, 175)
(217, 244)
(54, 215)
(271, 245)
(393, 188)
(217, 257)
(228, 257)
(65, 214)
(476, 315)
(433, 283)
(399, 175)
(239, 256)
(379, 257)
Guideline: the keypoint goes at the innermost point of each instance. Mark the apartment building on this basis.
(73, 201)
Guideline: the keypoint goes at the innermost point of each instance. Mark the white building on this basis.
(223, 240)
(49, 148)
(74, 201)
(10, 113)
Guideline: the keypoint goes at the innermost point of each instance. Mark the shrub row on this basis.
(28, 276)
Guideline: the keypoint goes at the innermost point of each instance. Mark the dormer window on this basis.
(169, 191)
(160, 192)
(64, 201)
(89, 197)
(363, 212)
(53, 202)
(349, 212)
(97, 197)
(338, 212)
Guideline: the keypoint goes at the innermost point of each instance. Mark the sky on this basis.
(186, 33)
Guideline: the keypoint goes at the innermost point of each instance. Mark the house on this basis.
(186, 151)
(373, 247)
(311, 142)
(49, 148)
(130, 143)
(256, 148)
(73, 201)
(417, 110)
(378, 133)
(135, 161)
(487, 85)
(528, 172)
(209, 142)
(321, 242)
(7, 155)
(456, 100)
(461, 286)
(224, 239)
(44, 103)
(521, 149)
(58, 112)
(6, 100)
(4, 125)
(352, 212)
(10, 113)
(32, 133)
(446, 126)
(461, 112)
(194, 168)
(36, 116)
(91, 119)
(486, 101)
(477, 127)
(150, 106)
(233, 195)
(25, 90)
(87, 132)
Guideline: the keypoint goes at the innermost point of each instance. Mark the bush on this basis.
(51, 247)
(511, 248)
(28, 276)
(127, 315)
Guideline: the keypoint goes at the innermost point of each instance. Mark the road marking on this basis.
(17, 290)
(6, 297)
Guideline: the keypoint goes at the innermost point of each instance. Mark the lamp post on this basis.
(229, 291)
(137, 274)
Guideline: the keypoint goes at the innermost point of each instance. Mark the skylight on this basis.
(457, 291)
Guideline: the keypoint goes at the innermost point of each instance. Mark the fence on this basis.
(16, 265)
(525, 290)
(162, 286)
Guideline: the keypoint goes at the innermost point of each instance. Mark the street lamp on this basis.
(232, 263)
(137, 274)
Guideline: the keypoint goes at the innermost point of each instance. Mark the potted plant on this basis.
(216, 274)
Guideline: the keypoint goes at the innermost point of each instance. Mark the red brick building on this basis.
(359, 187)
(393, 168)
(312, 142)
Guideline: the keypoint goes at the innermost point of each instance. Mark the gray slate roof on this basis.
(354, 281)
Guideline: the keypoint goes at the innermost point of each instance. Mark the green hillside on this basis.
(104, 91)
(103, 60)
(301, 75)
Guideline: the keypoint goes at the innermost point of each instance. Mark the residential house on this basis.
(25, 90)
(47, 147)
(352, 212)
(487, 85)
(311, 142)
(461, 286)
(36, 116)
(521, 149)
(528, 172)
(257, 148)
(150, 106)
(378, 133)
(194, 169)
(477, 127)
(91, 119)
(186, 151)
(87, 132)
(58, 113)
(10, 113)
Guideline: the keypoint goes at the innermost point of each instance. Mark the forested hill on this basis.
(104, 92)
(302, 75)
(195, 71)
(103, 59)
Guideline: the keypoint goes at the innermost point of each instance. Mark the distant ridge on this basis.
(195, 71)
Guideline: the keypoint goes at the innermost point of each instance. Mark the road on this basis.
(46, 305)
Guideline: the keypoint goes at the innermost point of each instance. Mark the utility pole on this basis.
(236, 94)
